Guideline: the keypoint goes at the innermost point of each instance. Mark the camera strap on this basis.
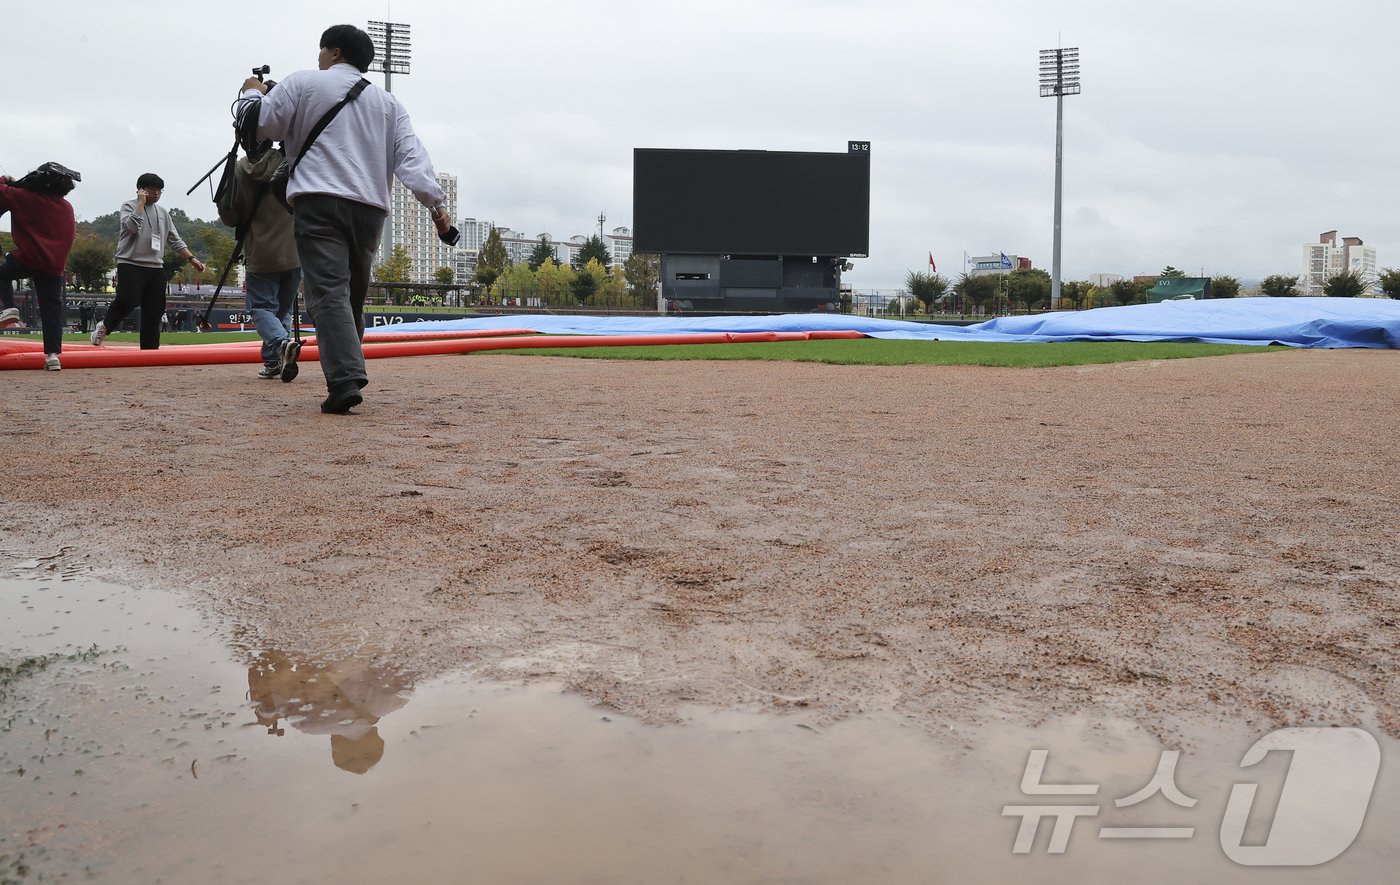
(325, 121)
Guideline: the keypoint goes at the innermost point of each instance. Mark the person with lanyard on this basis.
(146, 231)
(339, 190)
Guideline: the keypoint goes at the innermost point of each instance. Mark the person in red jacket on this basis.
(43, 230)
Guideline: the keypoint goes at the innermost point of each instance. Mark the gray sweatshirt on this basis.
(269, 244)
(135, 244)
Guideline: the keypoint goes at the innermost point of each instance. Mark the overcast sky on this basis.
(1213, 136)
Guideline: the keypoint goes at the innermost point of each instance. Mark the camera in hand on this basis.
(245, 119)
(262, 71)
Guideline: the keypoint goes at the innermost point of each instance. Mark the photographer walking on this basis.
(44, 229)
(339, 190)
(265, 228)
(146, 229)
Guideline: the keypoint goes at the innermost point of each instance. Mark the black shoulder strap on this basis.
(325, 121)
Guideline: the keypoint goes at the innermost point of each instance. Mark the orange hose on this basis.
(29, 355)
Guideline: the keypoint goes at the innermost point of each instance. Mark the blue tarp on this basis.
(1297, 322)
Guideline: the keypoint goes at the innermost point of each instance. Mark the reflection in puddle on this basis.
(162, 756)
(341, 698)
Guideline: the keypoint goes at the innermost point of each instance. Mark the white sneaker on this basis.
(98, 334)
(51, 362)
(9, 316)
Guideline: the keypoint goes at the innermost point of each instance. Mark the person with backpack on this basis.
(273, 272)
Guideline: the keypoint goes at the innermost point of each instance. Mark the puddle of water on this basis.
(143, 749)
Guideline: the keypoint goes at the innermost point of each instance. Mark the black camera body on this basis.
(262, 71)
(245, 119)
(50, 178)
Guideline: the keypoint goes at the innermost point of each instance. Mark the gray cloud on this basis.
(1210, 135)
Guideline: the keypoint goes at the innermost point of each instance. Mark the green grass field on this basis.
(845, 352)
(878, 352)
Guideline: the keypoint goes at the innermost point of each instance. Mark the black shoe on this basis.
(342, 400)
(287, 357)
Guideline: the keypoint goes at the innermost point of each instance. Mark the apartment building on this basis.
(410, 226)
(1327, 257)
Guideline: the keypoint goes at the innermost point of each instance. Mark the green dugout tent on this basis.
(1179, 287)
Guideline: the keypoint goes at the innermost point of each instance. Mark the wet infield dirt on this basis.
(1205, 549)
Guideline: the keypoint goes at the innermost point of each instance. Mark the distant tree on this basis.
(613, 287)
(217, 246)
(543, 249)
(643, 273)
(1029, 285)
(1224, 287)
(396, 269)
(108, 226)
(7, 243)
(91, 261)
(977, 290)
(1170, 271)
(1347, 284)
(594, 249)
(519, 281)
(926, 287)
(444, 276)
(584, 285)
(555, 280)
(172, 264)
(1279, 286)
(900, 304)
(1126, 292)
(191, 229)
(585, 290)
(1390, 282)
(492, 261)
(1075, 291)
(180, 272)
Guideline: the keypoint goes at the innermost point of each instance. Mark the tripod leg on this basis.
(223, 278)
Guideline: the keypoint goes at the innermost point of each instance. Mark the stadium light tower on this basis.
(393, 49)
(1059, 76)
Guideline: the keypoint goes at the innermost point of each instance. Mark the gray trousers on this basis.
(337, 242)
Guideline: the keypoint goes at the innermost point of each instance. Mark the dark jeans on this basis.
(53, 310)
(337, 242)
(142, 287)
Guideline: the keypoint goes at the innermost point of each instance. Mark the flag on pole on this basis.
(931, 266)
(1005, 262)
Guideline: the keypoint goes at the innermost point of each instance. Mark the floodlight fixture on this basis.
(1059, 76)
(393, 49)
(1059, 72)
